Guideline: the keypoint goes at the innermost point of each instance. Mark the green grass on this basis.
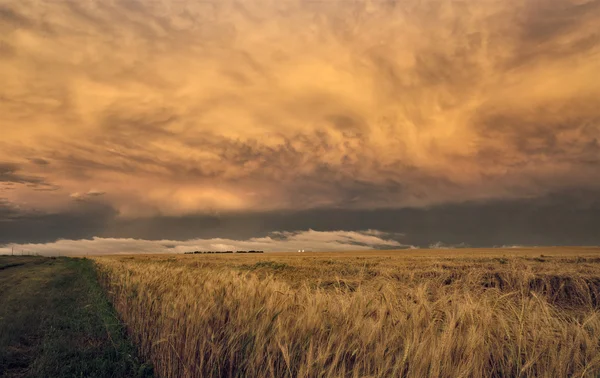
(56, 322)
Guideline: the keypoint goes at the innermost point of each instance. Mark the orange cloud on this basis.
(178, 107)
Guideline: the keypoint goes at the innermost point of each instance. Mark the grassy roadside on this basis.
(56, 322)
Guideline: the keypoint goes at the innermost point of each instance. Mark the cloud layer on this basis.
(181, 108)
(277, 242)
(569, 218)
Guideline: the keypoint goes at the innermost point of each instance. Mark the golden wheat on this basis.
(369, 315)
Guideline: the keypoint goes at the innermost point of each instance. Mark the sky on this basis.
(330, 125)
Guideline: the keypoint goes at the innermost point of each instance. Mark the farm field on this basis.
(419, 313)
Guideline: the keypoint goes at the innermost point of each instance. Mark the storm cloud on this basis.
(240, 118)
(568, 218)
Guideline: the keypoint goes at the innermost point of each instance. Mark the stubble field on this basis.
(425, 313)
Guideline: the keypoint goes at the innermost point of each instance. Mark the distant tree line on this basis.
(206, 252)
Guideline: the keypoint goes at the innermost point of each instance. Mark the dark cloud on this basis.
(20, 225)
(8, 211)
(566, 218)
(39, 161)
(555, 27)
(13, 18)
(346, 122)
(9, 173)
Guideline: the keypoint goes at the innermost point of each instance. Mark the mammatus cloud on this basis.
(278, 242)
(141, 118)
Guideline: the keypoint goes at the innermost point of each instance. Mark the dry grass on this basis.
(467, 313)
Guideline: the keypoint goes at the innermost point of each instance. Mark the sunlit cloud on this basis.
(178, 108)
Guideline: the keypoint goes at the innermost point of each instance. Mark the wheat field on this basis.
(436, 313)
